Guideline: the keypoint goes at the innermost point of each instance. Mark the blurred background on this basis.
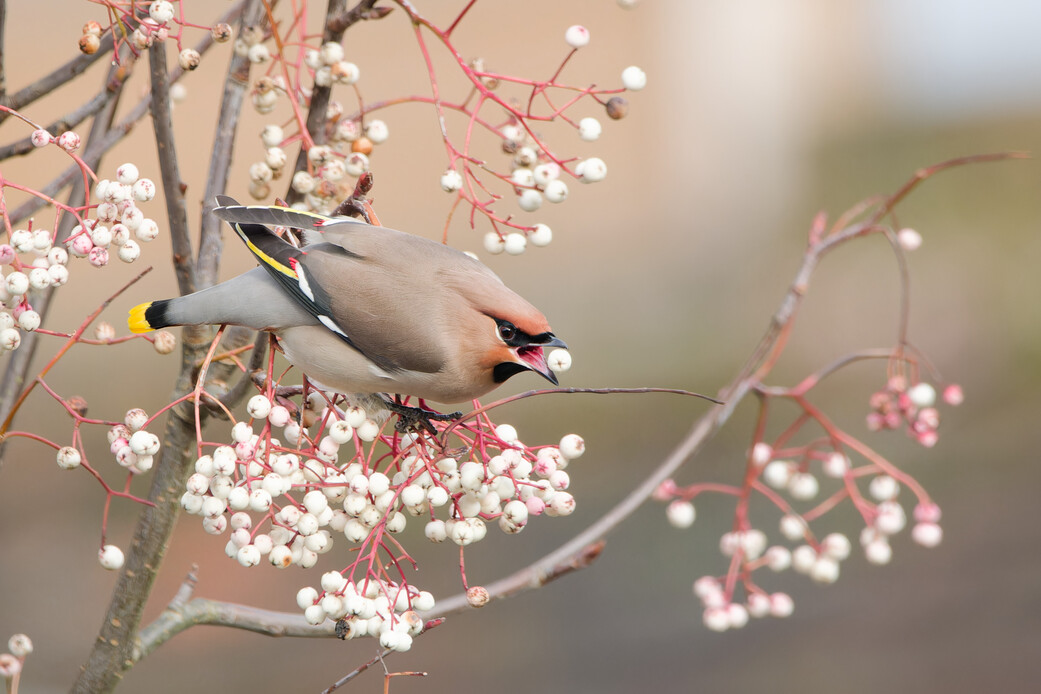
(756, 116)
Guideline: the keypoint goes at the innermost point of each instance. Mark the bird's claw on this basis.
(416, 418)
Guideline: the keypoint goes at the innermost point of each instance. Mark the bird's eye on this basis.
(507, 331)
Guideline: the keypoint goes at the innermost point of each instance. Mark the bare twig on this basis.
(3, 52)
(585, 547)
(112, 653)
(187, 589)
(236, 84)
(256, 361)
(199, 611)
(17, 367)
(365, 9)
(114, 134)
(320, 96)
(537, 574)
(173, 188)
(378, 658)
(66, 122)
(56, 79)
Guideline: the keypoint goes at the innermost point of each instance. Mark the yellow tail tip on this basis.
(137, 321)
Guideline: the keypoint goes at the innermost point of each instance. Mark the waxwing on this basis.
(366, 309)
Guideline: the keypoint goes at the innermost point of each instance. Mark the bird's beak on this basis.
(554, 342)
(533, 357)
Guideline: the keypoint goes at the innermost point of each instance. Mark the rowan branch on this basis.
(60, 76)
(18, 364)
(113, 136)
(584, 548)
(321, 95)
(173, 188)
(67, 122)
(236, 85)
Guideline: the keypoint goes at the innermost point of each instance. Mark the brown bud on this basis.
(78, 405)
(477, 596)
(343, 628)
(617, 108)
(92, 27)
(362, 145)
(263, 85)
(364, 185)
(377, 12)
(221, 32)
(89, 44)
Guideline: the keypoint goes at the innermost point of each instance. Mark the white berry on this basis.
(633, 78)
(589, 129)
(110, 557)
(161, 11)
(577, 36)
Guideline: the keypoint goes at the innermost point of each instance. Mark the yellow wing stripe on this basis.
(291, 210)
(137, 321)
(284, 269)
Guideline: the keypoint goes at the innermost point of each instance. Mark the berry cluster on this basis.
(346, 475)
(342, 153)
(162, 21)
(898, 405)
(134, 449)
(790, 477)
(536, 174)
(350, 141)
(38, 263)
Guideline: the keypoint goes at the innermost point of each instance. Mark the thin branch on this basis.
(365, 9)
(112, 653)
(379, 658)
(66, 122)
(56, 79)
(583, 549)
(538, 573)
(244, 384)
(114, 134)
(173, 188)
(3, 53)
(18, 364)
(73, 339)
(199, 611)
(182, 613)
(236, 85)
(187, 589)
(319, 105)
(473, 414)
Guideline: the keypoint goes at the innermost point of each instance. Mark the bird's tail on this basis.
(150, 316)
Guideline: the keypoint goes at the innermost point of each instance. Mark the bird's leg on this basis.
(415, 418)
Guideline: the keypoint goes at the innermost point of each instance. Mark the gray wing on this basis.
(271, 215)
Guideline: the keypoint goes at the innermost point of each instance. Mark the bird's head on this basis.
(518, 350)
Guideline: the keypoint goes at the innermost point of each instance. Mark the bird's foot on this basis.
(416, 418)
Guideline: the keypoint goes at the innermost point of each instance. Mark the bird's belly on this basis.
(338, 366)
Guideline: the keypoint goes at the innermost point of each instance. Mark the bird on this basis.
(368, 309)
